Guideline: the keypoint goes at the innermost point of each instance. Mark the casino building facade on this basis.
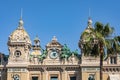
(30, 62)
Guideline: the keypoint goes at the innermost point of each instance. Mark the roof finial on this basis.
(54, 38)
(20, 26)
(89, 20)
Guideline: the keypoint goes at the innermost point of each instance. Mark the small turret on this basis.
(19, 45)
(36, 41)
(36, 47)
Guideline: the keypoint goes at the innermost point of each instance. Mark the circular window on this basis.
(53, 54)
(17, 53)
(16, 77)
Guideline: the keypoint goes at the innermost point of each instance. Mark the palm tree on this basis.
(94, 41)
(102, 32)
(115, 46)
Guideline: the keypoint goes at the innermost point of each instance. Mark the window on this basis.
(16, 77)
(73, 78)
(113, 60)
(91, 77)
(34, 78)
(17, 53)
(54, 78)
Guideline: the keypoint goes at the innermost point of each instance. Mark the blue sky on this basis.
(65, 19)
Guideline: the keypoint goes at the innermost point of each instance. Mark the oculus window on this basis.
(16, 77)
(17, 53)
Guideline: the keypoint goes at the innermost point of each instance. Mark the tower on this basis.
(19, 45)
(36, 47)
(85, 38)
(88, 43)
(36, 52)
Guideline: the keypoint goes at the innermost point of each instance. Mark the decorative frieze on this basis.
(17, 70)
(90, 69)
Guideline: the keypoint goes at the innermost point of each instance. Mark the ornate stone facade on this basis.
(56, 62)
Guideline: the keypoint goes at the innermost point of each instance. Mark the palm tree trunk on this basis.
(101, 61)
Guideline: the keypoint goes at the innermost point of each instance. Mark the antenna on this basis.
(89, 12)
(21, 13)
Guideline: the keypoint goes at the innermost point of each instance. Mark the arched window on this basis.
(91, 77)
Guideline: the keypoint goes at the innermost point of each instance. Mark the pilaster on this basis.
(64, 74)
(45, 74)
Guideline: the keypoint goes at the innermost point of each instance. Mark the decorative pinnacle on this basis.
(89, 20)
(54, 38)
(89, 23)
(37, 41)
(20, 26)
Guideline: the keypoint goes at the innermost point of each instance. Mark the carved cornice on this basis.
(111, 69)
(54, 67)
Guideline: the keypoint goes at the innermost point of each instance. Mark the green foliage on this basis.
(6, 57)
(118, 38)
(99, 27)
(104, 30)
(100, 32)
(76, 53)
(115, 46)
(66, 53)
(43, 55)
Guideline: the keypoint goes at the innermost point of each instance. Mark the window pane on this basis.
(34, 78)
(73, 78)
(111, 60)
(115, 61)
(54, 78)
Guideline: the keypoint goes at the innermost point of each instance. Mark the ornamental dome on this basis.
(36, 52)
(88, 31)
(87, 35)
(19, 35)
